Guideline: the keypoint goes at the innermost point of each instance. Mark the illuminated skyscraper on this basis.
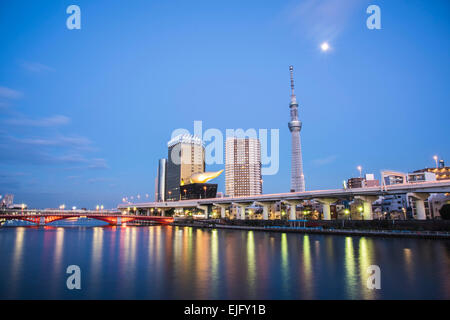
(242, 167)
(295, 125)
(186, 156)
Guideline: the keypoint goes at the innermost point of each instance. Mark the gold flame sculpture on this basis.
(202, 177)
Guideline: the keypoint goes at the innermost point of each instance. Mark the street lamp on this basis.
(360, 209)
(360, 171)
(436, 159)
(204, 188)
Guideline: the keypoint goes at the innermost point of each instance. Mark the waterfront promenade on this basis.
(376, 228)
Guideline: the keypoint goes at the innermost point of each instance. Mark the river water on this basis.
(164, 262)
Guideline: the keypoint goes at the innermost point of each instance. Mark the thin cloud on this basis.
(35, 66)
(4, 105)
(98, 164)
(56, 120)
(11, 180)
(59, 141)
(71, 158)
(97, 180)
(323, 20)
(45, 152)
(325, 161)
(10, 93)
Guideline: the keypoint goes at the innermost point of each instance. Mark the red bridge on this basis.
(45, 217)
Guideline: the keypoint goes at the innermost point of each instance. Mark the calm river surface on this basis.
(163, 262)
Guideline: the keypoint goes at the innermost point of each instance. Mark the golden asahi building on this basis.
(186, 156)
(242, 167)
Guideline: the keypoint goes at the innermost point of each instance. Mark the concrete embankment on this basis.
(410, 229)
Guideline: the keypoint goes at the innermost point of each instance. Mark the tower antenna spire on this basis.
(291, 70)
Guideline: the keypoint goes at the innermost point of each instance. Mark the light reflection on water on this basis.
(351, 278)
(163, 262)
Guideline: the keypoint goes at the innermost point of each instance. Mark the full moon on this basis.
(325, 46)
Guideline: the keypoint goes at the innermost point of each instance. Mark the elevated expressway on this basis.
(419, 191)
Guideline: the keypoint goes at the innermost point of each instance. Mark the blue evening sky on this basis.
(86, 114)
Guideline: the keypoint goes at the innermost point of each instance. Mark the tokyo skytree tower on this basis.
(295, 125)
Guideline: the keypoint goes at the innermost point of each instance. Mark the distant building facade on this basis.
(160, 194)
(242, 167)
(368, 181)
(438, 204)
(391, 179)
(442, 172)
(423, 176)
(186, 156)
(7, 201)
(394, 203)
(353, 183)
(403, 204)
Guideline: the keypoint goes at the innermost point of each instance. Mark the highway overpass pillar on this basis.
(266, 211)
(367, 206)
(419, 201)
(241, 210)
(326, 207)
(266, 208)
(223, 208)
(292, 208)
(205, 209)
